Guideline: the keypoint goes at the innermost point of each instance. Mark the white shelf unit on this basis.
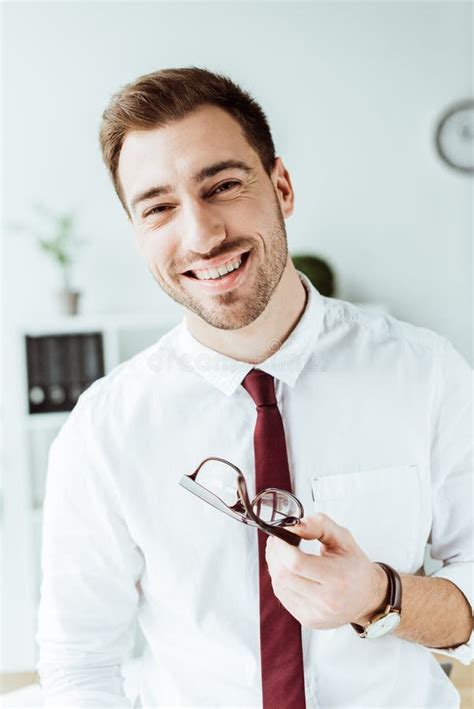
(24, 475)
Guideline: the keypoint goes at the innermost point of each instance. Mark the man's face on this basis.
(203, 225)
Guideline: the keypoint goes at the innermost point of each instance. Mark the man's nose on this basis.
(203, 229)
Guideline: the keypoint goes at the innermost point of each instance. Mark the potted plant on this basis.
(60, 241)
(319, 272)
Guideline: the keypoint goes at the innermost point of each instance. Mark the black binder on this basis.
(60, 367)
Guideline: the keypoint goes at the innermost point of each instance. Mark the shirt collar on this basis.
(286, 364)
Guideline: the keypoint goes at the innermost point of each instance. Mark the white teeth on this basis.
(212, 273)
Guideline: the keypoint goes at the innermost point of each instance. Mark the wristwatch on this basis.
(389, 619)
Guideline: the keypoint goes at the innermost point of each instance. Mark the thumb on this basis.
(325, 530)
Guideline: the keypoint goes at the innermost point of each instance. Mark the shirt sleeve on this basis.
(452, 473)
(90, 569)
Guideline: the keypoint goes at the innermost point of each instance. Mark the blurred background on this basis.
(355, 93)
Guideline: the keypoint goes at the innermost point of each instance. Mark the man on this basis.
(365, 418)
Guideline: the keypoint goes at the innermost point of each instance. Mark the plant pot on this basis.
(68, 301)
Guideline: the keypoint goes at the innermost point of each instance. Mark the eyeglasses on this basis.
(222, 485)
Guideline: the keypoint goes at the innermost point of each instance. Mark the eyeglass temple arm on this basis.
(281, 533)
(207, 496)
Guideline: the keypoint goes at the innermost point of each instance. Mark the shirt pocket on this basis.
(380, 507)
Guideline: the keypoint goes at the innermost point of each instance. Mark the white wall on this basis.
(352, 91)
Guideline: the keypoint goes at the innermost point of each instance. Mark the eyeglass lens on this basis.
(271, 506)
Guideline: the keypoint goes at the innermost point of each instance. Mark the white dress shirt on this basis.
(378, 425)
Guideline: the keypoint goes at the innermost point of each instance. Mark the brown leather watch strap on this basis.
(393, 601)
(394, 587)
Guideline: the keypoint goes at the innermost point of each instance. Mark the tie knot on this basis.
(261, 387)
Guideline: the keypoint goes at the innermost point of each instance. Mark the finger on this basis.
(296, 603)
(279, 553)
(301, 585)
(325, 530)
(293, 601)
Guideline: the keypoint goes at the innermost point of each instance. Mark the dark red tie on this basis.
(280, 633)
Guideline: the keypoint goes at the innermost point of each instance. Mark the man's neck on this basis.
(259, 340)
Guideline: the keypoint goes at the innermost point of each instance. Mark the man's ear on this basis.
(284, 189)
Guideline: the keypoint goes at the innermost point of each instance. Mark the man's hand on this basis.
(339, 586)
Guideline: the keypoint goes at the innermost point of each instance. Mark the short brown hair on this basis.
(155, 100)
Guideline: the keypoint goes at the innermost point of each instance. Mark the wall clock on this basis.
(454, 136)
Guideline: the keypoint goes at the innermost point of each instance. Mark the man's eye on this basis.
(232, 183)
(155, 210)
(161, 207)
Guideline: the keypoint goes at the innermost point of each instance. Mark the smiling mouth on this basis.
(217, 274)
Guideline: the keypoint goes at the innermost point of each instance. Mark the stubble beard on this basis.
(268, 275)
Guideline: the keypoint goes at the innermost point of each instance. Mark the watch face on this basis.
(384, 625)
(455, 137)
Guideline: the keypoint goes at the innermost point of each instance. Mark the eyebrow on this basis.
(199, 176)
